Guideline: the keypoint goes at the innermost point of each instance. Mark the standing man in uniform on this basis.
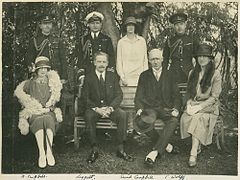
(179, 49)
(93, 42)
(45, 43)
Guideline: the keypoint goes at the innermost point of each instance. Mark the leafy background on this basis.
(215, 21)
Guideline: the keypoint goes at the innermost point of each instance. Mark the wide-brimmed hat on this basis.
(178, 17)
(130, 20)
(42, 61)
(145, 122)
(94, 16)
(204, 49)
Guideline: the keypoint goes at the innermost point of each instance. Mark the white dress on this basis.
(131, 59)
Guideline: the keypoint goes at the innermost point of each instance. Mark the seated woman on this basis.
(131, 55)
(201, 113)
(38, 96)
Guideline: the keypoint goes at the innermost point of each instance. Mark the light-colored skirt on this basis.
(200, 125)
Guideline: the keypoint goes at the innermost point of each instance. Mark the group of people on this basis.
(156, 75)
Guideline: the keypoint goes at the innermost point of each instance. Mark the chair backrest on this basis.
(130, 91)
(128, 96)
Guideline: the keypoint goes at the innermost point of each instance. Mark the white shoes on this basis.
(42, 161)
(50, 159)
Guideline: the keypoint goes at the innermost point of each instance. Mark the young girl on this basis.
(201, 113)
(38, 96)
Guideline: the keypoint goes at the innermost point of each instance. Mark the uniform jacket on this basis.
(51, 47)
(157, 94)
(86, 47)
(177, 55)
(91, 93)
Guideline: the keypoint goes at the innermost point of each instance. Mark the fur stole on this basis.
(33, 107)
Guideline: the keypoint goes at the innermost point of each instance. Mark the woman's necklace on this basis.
(42, 91)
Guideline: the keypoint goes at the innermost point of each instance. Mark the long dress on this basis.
(131, 59)
(201, 125)
(41, 92)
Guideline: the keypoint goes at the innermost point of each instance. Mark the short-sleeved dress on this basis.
(41, 92)
(201, 125)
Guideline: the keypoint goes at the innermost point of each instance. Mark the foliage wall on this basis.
(215, 21)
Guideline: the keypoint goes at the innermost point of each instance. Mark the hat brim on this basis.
(140, 130)
(47, 21)
(45, 66)
(173, 21)
(92, 19)
(133, 23)
(208, 55)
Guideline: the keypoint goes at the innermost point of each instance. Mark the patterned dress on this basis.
(41, 92)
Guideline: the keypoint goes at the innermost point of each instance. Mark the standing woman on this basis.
(38, 96)
(201, 113)
(131, 55)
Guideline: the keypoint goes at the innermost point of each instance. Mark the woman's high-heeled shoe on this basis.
(50, 159)
(192, 161)
(42, 161)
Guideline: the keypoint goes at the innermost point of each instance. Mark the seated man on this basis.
(102, 97)
(157, 96)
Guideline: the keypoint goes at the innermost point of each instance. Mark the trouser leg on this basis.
(91, 118)
(120, 117)
(165, 134)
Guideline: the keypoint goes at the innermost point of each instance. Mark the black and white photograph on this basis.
(127, 90)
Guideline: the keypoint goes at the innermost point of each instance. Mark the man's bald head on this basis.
(156, 58)
(156, 52)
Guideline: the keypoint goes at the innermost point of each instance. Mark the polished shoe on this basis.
(192, 161)
(124, 156)
(92, 157)
(50, 159)
(42, 163)
(149, 162)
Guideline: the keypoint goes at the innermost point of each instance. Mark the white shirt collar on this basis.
(157, 71)
(97, 33)
(98, 74)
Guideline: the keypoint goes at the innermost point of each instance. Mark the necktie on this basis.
(101, 80)
(102, 89)
(94, 35)
(157, 75)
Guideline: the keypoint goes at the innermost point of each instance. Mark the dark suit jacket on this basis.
(91, 93)
(157, 94)
(86, 47)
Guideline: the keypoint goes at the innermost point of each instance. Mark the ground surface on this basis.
(22, 158)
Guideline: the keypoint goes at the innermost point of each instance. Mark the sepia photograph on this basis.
(122, 89)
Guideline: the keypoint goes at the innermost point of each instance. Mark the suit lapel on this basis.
(108, 81)
(96, 84)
